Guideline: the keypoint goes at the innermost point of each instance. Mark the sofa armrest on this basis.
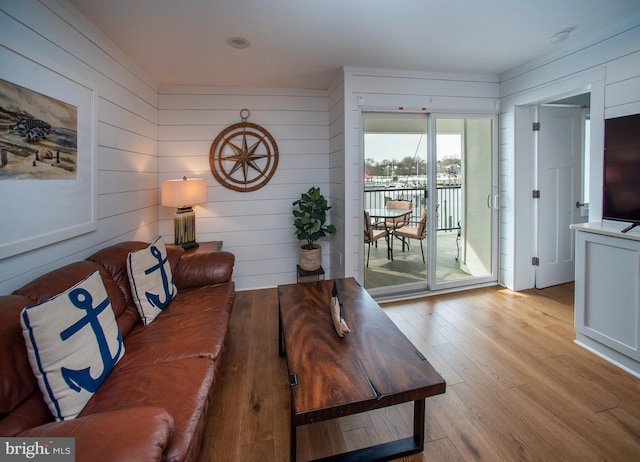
(199, 268)
(139, 434)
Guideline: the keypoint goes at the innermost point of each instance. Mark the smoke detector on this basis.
(561, 36)
(238, 42)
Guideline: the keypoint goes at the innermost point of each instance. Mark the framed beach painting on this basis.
(47, 154)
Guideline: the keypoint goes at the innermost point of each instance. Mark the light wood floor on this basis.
(518, 389)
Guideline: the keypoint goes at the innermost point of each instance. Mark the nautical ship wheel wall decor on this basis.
(244, 156)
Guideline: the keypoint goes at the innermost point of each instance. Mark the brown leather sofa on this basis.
(154, 404)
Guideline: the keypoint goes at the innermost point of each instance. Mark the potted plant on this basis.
(310, 223)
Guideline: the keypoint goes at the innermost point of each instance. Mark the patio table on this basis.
(385, 216)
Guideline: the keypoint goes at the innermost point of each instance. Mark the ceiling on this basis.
(304, 43)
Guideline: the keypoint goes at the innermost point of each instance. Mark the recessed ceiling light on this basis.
(561, 36)
(238, 42)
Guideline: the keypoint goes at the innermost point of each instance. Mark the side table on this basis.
(307, 276)
(210, 246)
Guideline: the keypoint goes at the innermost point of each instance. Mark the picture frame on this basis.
(39, 212)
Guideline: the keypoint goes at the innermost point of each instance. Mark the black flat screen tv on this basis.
(621, 191)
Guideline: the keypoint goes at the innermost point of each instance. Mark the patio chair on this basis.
(414, 232)
(372, 235)
(403, 220)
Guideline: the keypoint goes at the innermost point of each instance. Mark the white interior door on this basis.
(559, 176)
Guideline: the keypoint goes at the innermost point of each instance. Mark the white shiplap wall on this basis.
(608, 66)
(126, 129)
(256, 226)
(385, 91)
(339, 257)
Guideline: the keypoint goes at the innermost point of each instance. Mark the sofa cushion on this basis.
(114, 436)
(151, 280)
(73, 342)
(177, 337)
(195, 325)
(181, 387)
(219, 297)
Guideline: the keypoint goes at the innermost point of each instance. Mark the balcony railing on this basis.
(448, 206)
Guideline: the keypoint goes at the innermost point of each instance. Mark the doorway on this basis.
(445, 166)
(561, 134)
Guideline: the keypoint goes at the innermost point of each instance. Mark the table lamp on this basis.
(183, 194)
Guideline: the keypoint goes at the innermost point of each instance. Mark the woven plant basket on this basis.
(310, 259)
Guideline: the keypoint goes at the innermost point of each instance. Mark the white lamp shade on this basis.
(185, 192)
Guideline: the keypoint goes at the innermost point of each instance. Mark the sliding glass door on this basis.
(395, 159)
(466, 213)
(445, 167)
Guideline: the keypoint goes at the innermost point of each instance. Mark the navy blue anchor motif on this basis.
(82, 379)
(154, 299)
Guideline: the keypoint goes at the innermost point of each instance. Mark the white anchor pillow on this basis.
(73, 342)
(151, 280)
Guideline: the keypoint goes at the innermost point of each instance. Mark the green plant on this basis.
(310, 217)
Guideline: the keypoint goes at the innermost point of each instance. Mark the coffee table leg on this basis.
(418, 423)
(293, 449)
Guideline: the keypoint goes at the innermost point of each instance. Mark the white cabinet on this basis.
(607, 292)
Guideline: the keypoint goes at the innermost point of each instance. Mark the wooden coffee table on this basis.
(372, 367)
